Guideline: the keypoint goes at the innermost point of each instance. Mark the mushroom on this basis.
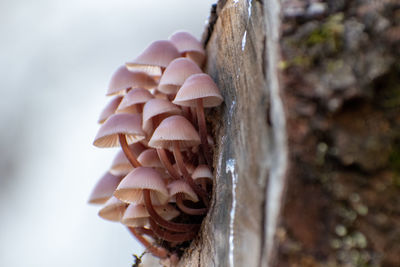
(109, 109)
(104, 188)
(136, 215)
(113, 209)
(189, 46)
(155, 110)
(145, 184)
(154, 59)
(175, 133)
(123, 80)
(200, 91)
(175, 75)
(134, 101)
(203, 175)
(121, 129)
(182, 191)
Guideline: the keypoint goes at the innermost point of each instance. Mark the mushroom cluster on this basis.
(160, 181)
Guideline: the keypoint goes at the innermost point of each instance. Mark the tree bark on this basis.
(307, 154)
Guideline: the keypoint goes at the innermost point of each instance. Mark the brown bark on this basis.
(308, 137)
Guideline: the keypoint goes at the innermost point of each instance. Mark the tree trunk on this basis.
(307, 157)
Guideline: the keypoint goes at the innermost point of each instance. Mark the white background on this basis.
(56, 59)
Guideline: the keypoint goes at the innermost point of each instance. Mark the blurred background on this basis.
(56, 59)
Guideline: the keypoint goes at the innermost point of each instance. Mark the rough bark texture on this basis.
(333, 68)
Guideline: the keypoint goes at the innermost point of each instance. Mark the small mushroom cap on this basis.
(155, 107)
(149, 158)
(176, 73)
(113, 210)
(189, 45)
(134, 97)
(174, 129)
(156, 56)
(180, 186)
(121, 165)
(202, 171)
(198, 86)
(131, 187)
(123, 123)
(124, 79)
(104, 188)
(136, 215)
(109, 109)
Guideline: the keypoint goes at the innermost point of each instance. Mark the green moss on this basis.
(329, 33)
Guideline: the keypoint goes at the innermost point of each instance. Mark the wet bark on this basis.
(307, 154)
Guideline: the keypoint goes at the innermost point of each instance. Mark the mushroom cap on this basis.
(149, 158)
(202, 171)
(104, 188)
(156, 56)
(109, 109)
(180, 186)
(136, 215)
(134, 97)
(131, 187)
(124, 79)
(120, 164)
(187, 43)
(176, 73)
(113, 210)
(123, 123)
(175, 129)
(155, 107)
(198, 86)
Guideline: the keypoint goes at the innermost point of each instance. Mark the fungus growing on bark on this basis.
(154, 59)
(200, 91)
(104, 188)
(189, 46)
(160, 145)
(123, 80)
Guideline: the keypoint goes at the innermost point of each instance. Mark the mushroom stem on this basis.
(168, 236)
(145, 231)
(176, 227)
(156, 251)
(203, 131)
(186, 175)
(167, 164)
(128, 153)
(187, 210)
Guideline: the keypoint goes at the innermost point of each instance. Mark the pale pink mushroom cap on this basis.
(149, 158)
(136, 215)
(155, 107)
(180, 186)
(109, 109)
(175, 129)
(134, 97)
(104, 188)
(120, 164)
(176, 73)
(187, 43)
(131, 187)
(113, 210)
(123, 123)
(198, 86)
(156, 56)
(123, 79)
(202, 171)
